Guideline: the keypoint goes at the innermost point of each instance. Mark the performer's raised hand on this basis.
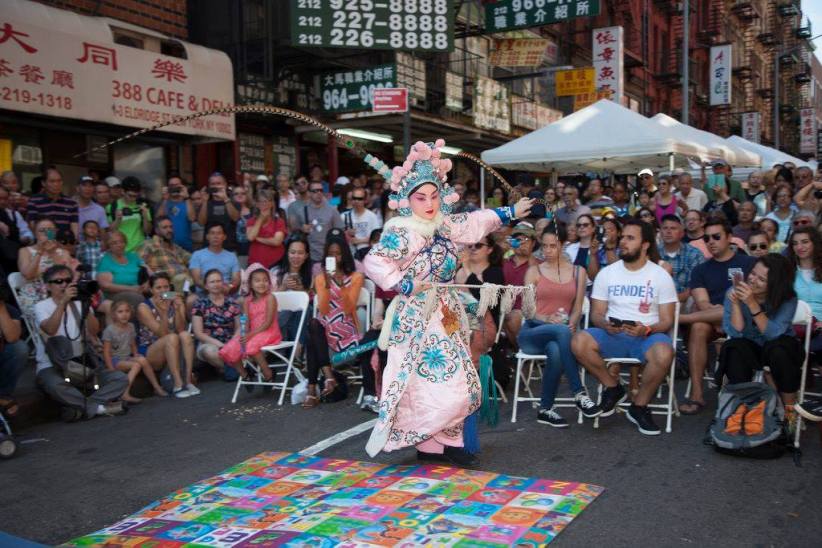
(523, 207)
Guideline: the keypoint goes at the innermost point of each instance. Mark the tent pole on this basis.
(482, 187)
(671, 162)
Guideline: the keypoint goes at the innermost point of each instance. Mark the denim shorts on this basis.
(622, 345)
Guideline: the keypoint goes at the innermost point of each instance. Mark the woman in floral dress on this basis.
(429, 385)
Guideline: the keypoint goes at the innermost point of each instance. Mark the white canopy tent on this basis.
(718, 147)
(602, 137)
(769, 156)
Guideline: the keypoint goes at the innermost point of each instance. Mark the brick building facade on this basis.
(165, 16)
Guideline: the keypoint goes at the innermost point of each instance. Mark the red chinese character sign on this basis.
(720, 75)
(609, 73)
(80, 73)
(807, 131)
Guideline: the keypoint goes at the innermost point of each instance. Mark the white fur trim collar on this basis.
(417, 224)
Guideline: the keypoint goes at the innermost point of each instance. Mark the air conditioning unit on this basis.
(24, 154)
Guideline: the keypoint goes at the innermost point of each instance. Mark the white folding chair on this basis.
(803, 316)
(668, 409)
(16, 281)
(283, 353)
(533, 361)
(708, 376)
(365, 301)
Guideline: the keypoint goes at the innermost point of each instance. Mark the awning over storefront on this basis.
(58, 63)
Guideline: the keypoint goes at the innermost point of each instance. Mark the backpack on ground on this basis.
(749, 422)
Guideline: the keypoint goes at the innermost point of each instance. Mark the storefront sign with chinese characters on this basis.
(807, 131)
(252, 152)
(608, 45)
(551, 52)
(426, 25)
(518, 14)
(750, 126)
(411, 75)
(76, 71)
(453, 91)
(547, 115)
(284, 156)
(492, 106)
(353, 90)
(574, 82)
(720, 75)
(587, 99)
(518, 52)
(253, 92)
(523, 112)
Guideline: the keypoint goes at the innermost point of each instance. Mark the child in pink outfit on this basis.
(260, 307)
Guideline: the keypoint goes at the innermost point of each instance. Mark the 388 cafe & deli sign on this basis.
(89, 77)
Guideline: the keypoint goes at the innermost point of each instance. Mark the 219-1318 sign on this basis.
(373, 24)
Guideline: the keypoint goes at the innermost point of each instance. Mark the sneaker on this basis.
(192, 390)
(642, 418)
(181, 393)
(111, 409)
(370, 403)
(587, 406)
(810, 410)
(610, 398)
(551, 418)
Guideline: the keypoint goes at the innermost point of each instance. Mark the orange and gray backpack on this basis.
(749, 422)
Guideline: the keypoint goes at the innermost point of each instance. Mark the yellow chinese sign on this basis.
(575, 82)
(518, 52)
(582, 100)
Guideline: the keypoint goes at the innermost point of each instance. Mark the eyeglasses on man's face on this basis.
(60, 281)
(716, 237)
(755, 247)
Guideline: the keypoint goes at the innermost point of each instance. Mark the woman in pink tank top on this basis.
(560, 291)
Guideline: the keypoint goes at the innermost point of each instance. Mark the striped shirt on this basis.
(63, 211)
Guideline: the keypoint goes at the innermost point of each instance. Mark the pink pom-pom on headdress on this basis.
(424, 153)
(404, 202)
(445, 166)
(408, 165)
(439, 143)
(393, 204)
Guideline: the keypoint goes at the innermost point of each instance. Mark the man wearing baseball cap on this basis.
(116, 188)
(721, 167)
(646, 180)
(523, 240)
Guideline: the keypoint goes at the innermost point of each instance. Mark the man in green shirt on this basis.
(131, 217)
(721, 167)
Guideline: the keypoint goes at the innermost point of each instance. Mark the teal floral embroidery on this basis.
(393, 244)
(438, 359)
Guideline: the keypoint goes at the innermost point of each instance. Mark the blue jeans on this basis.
(289, 321)
(554, 341)
(13, 359)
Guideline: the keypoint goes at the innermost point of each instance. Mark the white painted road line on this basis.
(339, 438)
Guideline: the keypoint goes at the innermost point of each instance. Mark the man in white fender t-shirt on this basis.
(632, 309)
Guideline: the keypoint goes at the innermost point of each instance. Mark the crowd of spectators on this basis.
(174, 282)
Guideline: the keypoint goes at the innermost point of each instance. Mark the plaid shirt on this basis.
(159, 258)
(90, 253)
(683, 263)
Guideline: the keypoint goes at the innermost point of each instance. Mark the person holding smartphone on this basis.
(632, 310)
(179, 208)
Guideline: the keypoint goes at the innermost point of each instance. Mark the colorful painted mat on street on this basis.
(284, 499)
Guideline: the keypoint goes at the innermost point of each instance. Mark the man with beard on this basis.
(161, 254)
(632, 310)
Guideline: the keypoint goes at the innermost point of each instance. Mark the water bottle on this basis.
(563, 315)
(243, 328)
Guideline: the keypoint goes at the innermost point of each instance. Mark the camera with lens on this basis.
(86, 286)
(817, 194)
(127, 211)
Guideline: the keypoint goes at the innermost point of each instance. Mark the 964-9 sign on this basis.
(373, 24)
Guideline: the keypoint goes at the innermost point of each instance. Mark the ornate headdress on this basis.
(423, 165)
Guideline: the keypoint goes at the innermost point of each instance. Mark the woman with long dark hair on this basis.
(483, 264)
(337, 326)
(293, 273)
(560, 292)
(805, 251)
(758, 321)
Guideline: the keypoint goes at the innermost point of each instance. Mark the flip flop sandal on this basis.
(698, 407)
(311, 402)
(330, 385)
(6, 408)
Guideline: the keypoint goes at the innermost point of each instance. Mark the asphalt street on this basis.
(73, 479)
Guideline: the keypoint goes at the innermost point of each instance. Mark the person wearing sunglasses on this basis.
(514, 269)
(316, 219)
(360, 221)
(57, 316)
(682, 257)
(583, 253)
(646, 181)
(709, 283)
(758, 244)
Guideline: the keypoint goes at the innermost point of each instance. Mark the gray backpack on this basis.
(764, 437)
